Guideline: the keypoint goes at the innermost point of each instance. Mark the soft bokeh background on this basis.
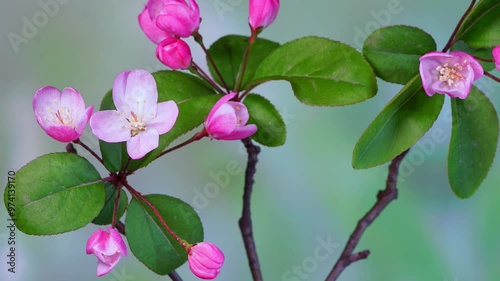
(305, 192)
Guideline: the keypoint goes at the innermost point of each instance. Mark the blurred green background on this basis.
(306, 192)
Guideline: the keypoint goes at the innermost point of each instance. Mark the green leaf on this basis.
(148, 239)
(473, 142)
(321, 72)
(485, 53)
(105, 217)
(402, 122)
(55, 193)
(394, 52)
(194, 99)
(227, 53)
(271, 129)
(481, 28)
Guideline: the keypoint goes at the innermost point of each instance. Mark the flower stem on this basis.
(202, 74)
(492, 76)
(199, 39)
(243, 66)
(483, 59)
(139, 196)
(78, 141)
(118, 189)
(451, 41)
(196, 137)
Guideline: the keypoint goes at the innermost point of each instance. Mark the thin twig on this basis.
(120, 226)
(492, 76)
(384, 197)
(245, 221)
(174, 276)
(451, 41)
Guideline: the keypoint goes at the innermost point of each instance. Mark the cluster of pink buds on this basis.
(139, 119)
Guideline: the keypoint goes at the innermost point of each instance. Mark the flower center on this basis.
(62, 116)
(451, 75)
(137, 125)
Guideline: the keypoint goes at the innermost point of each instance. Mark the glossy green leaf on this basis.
(148, 239)
(227, 53)
(55, 193)
(105, 217)
(271, 129)
(321, 72)
(194, 99)
(481, 28)
(473, 142)
(394, 52)
(402, 122)
(484, 53)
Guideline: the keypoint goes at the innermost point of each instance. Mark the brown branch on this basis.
(245, 221)
(384, 197)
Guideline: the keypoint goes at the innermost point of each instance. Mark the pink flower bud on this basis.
(262, 13)
(449, 74)
(174, 53)
(496, 56)
(152, 31)
(175, 16)
(61, 115)
(227, 120)
(108, 247)
(205, 260)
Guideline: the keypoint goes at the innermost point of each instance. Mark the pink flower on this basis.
(205, 260)
(174, 53)
(61, 115)
(227, 119)
(449, 73)
(152, 31)
(262, 13)
(138, 119)
(108, 247)
(496, 56)
(175, 16)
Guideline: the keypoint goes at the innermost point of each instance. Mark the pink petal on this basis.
(95, 238)
(117, 239)
(62, 133)
(84, 119)
(135, 91)
(241, 112)
(166, 117)
(104, 268)
(45, 103)
(496, 56)
(179, 19)
(149, 28)
(240, 133)
(222, 122)
(110, 126)
(142, 143)
(220, 102)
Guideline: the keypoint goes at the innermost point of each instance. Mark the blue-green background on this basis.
(304, 191)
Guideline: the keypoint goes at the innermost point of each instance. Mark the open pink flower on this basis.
(108, 247)
(205, 260)
(138, 119)
(175, 16)
(262, 13)
(227, 120)
(496, 56)
(174, 53)
(449, 73)
(155, 34)
(61, 115)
